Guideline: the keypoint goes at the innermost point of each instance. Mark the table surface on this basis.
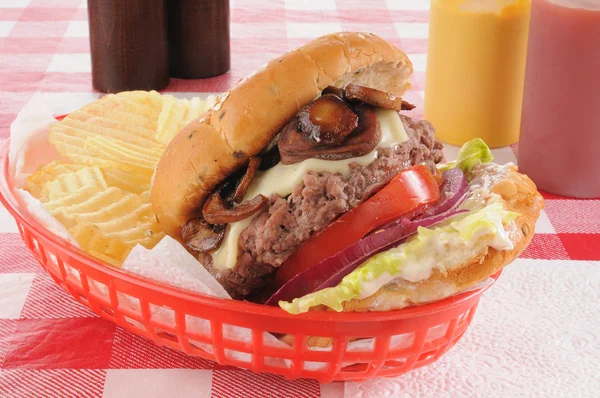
(536, 333)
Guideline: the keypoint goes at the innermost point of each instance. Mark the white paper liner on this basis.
(167, 262)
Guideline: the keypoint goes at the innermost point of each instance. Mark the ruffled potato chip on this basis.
(176, 114)
(115, 144)
(35, 182)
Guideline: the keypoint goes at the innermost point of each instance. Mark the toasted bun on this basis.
(520, 195)
(249, 116)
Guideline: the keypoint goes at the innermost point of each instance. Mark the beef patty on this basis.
(276, 233)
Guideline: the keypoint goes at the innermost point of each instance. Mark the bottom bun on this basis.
(520, 195)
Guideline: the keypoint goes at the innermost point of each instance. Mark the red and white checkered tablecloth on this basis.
(535, 334)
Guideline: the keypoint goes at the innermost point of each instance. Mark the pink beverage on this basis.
(559, 145)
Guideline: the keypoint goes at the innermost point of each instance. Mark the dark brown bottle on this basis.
(198, 38)
(129, 44)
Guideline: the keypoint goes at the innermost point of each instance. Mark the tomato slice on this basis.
(408, 191)
(439, 177)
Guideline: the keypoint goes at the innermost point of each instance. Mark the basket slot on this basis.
(131, 313)
(98, 298)
(51, 264)
(436, 336)
(75, 287)
(356, 371)
(37, 250)
(274, 365)
(442, 351)
(442, 340)
(240, 357)
(98, 291)
(163, 317)
(314, 343)
(275, 352)
(113, 308)
(313, 356)
(409, 363)
(71, 285)
(366, 353)
(134, 325)
(108, 311)
(236, 345)
(359, 356)
(396, 368)
(237, 342)
(73, 276)
(197, 344)
(54, 268)
(162, 327)
(235, 333)
(401, 343)
(316, 368)
(160, 333)
(165, 338)
(203, 350)
(411, 356)
(84, 300)
(400, 361)
(429, 356)
(198, 323)
(61, 269)
(244, 364)
(85, 291)
(403, 356)
(128, 309)
(270, 344)
(164, 335)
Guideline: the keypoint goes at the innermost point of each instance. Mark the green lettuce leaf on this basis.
(415, 259)
(471, 154)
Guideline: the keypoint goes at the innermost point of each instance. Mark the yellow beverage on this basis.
(476, 68)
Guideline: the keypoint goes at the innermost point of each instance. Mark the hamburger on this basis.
(307, 186)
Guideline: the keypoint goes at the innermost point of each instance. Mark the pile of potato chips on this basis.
(101, 191)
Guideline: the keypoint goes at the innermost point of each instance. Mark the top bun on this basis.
(247, 117)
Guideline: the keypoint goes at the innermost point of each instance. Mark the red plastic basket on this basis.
(427, 331)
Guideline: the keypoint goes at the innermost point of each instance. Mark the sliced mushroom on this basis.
(244, 183)
(371, 96)
(337, 91)
(216, 212)
(295, 147)
(270, 158)
(327, 119)
(340, 92)
(407, 106)
(202, 237)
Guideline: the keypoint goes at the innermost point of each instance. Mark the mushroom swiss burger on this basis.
(305, 186)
